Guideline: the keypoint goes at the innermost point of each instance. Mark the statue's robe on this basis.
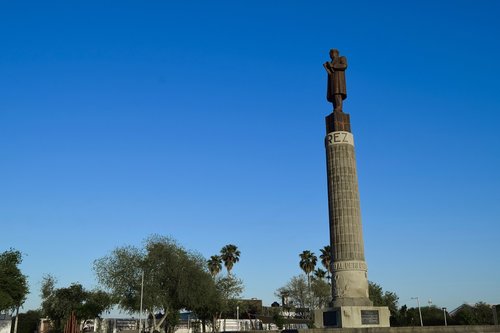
(336, 81)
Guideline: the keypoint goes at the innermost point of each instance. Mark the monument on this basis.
(350, 306)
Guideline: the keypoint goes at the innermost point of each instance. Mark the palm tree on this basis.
(326, 259)
(214, 265)
(308, 263)
(230, 255)
(319, 273)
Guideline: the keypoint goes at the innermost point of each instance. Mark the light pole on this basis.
(444, 313)
(495, 316)
(238, 316)
(419, 312)
(142, 292)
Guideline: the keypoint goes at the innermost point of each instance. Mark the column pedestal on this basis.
(352, 316)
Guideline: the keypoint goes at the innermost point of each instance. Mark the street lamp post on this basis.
(444, 313)
(238, 316)
(419, 311)
(142, 292)
(495, 316)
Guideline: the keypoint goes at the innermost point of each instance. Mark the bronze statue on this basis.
(336, 90)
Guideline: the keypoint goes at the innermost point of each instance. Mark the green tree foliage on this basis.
(326, 258)
(307, 263)
(279, 320)
(221, 302)
(321, 292)
(431, 316)
(319, 274)
(13, 284)
(405, 317)
(296, 291)
(230, 255)
(214, 265)
(248, 309)
(478, 314)
(28, 322)
(174, 278)
(58, 303)
(95, 304)
(211, 309)
(230, 289)
(381, 298)
(227, 288)
(301, 298)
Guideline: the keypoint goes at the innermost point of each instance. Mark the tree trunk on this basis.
(215, 319)
(158, 325)
(17, 320)
(154, 320)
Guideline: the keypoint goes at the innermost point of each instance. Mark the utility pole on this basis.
(419, 311)
(444, 313)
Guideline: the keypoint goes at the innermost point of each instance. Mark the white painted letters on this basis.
(335, 138)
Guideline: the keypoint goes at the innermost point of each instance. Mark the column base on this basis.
(352, 316)
(350, 301)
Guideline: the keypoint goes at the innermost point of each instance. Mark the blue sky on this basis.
(205, 121)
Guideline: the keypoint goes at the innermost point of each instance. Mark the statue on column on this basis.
(336, 89)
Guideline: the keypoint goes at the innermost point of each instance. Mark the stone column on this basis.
(349, 270)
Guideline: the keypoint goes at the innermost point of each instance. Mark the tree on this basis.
(381, 298)
(326, 259)
(406, 317)
(483, 313)
(214, 265)
(220, 302)
(211, 309)
(174, 278)
(297, 292)
(322, 293)
(230, 289)
(319, 274)
(28, 322)
(278, 319)
(230, 255)
(432, 315)
(13, 284)
(307, 263)
(478, 314)
(59, 303)
(96, 302)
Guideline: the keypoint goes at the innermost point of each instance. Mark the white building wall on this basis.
(5, 324)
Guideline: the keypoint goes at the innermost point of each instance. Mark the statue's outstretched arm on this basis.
(328, 67)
